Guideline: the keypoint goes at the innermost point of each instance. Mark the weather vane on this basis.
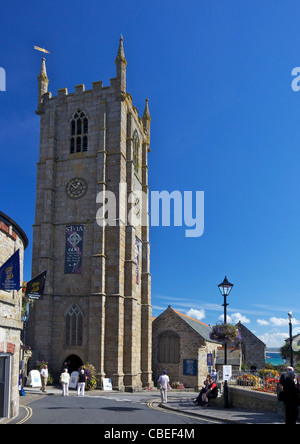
(41, 49)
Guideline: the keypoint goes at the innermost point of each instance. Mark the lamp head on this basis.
(225, 287)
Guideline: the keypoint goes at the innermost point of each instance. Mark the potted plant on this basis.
(225, 333)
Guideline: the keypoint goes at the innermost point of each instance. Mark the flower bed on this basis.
(248, 380)
(178, 386)
(267, 382)
(269, 385)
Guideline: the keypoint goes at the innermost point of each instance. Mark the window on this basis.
(79, 131)
(74, 326)
(169, 348)
(136, 147)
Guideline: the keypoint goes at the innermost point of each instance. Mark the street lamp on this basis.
(291, 339)
(225, 288)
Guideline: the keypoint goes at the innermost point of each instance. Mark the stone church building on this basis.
(97, 302)
(182, 347)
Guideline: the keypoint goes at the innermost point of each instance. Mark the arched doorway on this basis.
(73, 362)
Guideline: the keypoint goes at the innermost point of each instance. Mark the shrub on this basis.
(178, 386)
(90, 372)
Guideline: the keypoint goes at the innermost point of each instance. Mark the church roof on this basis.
(253, 337)
(203, 329)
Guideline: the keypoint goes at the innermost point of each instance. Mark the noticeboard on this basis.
(190, 367)
(227, 372)
(34, 379)
(73, 380)
(210, 360)
(107, 385)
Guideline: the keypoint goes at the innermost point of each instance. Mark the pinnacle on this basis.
(121, 54)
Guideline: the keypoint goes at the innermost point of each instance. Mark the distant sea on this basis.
(273, 357)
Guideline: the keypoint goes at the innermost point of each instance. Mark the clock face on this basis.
(76, 188)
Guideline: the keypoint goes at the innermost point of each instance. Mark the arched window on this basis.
(79, 131)
(168, 348)
(73, 326)
(136, 147)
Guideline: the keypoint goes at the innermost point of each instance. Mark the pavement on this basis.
(178, 402)
(220, 414)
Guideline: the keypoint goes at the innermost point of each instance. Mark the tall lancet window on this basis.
(168, 348)
(73, 326)
(79, 132)
(136, 148)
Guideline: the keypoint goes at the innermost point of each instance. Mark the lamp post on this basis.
(291, 339)
(225, 288)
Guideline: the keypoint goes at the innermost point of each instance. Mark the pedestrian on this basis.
(198, 400)
(44, 378)
(164, 380)
(284, 376)
(211, 392)
(290, 397)
(65, 381)
(65, 366)
(214, 375)
(81, 383)
(21, 389)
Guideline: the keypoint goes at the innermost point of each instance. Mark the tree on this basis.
(285, 352)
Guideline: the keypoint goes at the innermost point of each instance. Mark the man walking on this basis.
(65, 381)
(164, 380)
(44, 377)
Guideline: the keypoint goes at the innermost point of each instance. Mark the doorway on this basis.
(73, 363)
(4, 385)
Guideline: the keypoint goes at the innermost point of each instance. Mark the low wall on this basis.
(243, 398)
(252, 400)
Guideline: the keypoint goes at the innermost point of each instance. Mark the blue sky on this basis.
(225, 121)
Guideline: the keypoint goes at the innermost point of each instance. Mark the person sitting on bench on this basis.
(198, 400)
(212, 392)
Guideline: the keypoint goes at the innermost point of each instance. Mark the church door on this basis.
(73, 363)
(4, 386)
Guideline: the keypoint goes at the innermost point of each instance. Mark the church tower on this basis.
(97, 302)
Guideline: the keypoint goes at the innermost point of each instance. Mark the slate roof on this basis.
(203, 329)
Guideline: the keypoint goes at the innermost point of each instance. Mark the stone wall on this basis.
(12, 238)
(192, 347)
(253, 400)
(253, 349)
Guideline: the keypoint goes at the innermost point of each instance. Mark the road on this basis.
(121, 409)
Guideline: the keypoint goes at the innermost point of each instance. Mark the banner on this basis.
(35, 288)
(138, 257)
(10, 273)
(74, 249)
